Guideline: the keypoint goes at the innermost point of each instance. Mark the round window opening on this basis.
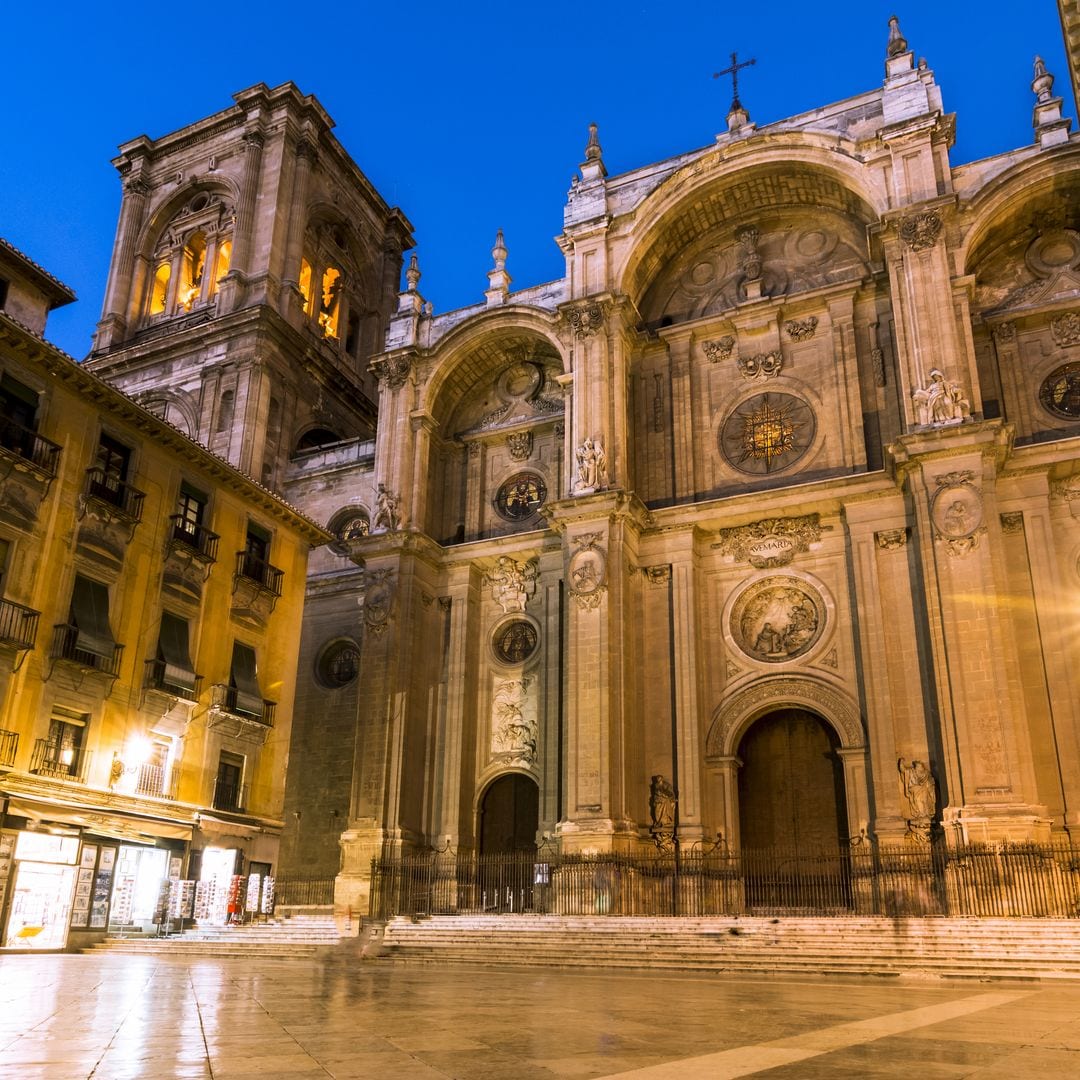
(767, 433)
(520, 497)
(515, 641)
(354, 528)
(339, 664)
(1060, 391)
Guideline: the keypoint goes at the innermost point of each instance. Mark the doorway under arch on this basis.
(509, 815)
(791, 784)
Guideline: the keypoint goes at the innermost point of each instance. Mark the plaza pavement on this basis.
(119, 1017)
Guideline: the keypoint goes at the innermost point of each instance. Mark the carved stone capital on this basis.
(1066, 328)
(1012, 521)
(657, 575)
(586, 318)
(891, 539)
(921, 231)
(1004, 333)
(254, 140)
(393, 371)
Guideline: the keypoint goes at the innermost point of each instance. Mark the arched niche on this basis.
(508, 814)
(497, 411)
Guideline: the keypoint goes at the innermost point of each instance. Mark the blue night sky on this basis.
(469, 116)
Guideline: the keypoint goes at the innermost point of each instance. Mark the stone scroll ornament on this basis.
(587, 571)
(801, 329)
(956, 511)
(778, 619)
(718, 350)
(585, 319)
(662, 812)
(771, 542)
(520, 444)
(920, 793)
(763, 366)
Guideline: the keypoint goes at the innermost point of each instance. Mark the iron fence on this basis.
(981, 880)
(290, 891)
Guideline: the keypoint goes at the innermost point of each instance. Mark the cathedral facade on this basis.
(760, 526)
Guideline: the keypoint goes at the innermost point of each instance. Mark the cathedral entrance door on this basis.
(509, 815)
(792, 813)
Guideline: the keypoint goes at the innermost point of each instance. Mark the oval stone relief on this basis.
(778, 619)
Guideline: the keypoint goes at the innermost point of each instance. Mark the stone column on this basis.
(474, 491)
(244, 232)
(122, 301)
(305, 158)
(727, 768)
(686, 631)
(682, 411)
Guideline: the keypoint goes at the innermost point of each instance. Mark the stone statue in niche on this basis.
(940, 402)
(387, 510)
(592, 467)
(662, 812)
(920, 792)
(512, 583)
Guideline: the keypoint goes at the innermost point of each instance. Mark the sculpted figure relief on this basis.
(592, 467)
(920, 791)
(662, 812)
(777, 621)
(941, 401)
(387, 511)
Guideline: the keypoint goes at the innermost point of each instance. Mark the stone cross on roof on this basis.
(733, 71)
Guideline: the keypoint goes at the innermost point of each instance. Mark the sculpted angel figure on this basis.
(592, 465)
(387, 513)
(917, 782)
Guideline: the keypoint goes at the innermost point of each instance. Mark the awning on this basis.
(174, 650)
(97, 820)
(90, 614)
(249, 699)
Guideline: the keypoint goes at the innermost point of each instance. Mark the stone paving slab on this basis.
(117, 1017)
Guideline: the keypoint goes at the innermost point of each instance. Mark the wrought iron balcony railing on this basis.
(59, 760)
(169, 680)
(26, 443)
(9, 744)
(228, 796)
(109, 489)
(199, 541)
(156, 781)
(224, 699)
(252, 568)
(18, 625)
(65, 647)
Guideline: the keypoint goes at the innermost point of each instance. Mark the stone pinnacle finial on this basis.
(1042, 85)
(592, 147)
(412, 275)
(897, 42)
(499, 252)
(498, 279)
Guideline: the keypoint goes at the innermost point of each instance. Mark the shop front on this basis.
(42, 890)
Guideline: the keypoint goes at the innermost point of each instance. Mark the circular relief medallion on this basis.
(515, 641)
(520, 497)
(339, 664)
(777, 619)
(1060, 391)
(957, 511)
(767, 433)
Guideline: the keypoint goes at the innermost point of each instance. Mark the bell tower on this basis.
(253, 274)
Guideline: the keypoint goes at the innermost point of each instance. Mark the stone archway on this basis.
(791, 784)
(509, 815)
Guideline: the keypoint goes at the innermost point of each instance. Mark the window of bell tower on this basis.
(193, 266)
(159, 293)
(330, 305)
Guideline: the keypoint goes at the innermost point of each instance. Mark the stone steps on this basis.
(298, 937)
(999, 948)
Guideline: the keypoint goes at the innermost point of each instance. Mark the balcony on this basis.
(199, 542)
(31, 449)
(18, 625)
(155, 782)
(59, 761)
(190, 551)
(65, 650)
(28, 465)
(229, 796)
(256, 588)
(109, 511)
(232, 715)
(9, 744)
(172, 682)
